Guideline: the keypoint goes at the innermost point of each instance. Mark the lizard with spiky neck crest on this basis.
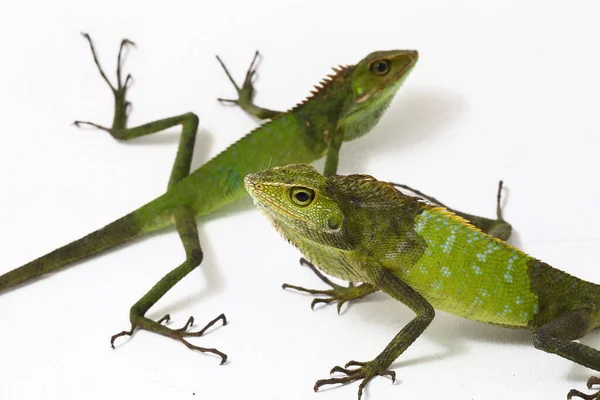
(360, 229)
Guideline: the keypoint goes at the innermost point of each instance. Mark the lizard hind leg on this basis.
(498, 227)
(185, 224)
(557, 337)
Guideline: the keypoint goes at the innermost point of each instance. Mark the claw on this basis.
(337, 368)
(246, 92)
(337, 294)
(185, 327)
(227, 73)
(121, 60)
(128, 108)
(306, 263)
(177, 334)
(122, 106)
(79, 123)
(576, 393)
(128, 81)
(122, 333)
(592, 396)
(205, 350)
(365, 372)
(391, 374)
(594, 380)
(230, 101)
(97, 62)
(319, 300)
(201, 332)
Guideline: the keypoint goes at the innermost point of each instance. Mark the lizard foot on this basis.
(122, 106)
(337, 293)
(246, 93)
(177, 334)
(365, 372)
(593, 396)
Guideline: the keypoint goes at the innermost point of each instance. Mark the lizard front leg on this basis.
(365, 371)
(185, 224)
(119, 130)
(337, 294)
(246, 93)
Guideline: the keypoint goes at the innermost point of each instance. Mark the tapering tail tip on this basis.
(119, 231)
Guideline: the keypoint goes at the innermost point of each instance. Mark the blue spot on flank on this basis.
(445, 271)
(436, 285)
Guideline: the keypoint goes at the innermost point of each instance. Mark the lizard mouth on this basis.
(396, 77)
(399, 74)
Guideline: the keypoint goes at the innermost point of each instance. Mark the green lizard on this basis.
(345, 106)
(362, 230)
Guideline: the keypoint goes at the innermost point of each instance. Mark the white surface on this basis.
(509, 90)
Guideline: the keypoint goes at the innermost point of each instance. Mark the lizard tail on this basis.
(115, 233)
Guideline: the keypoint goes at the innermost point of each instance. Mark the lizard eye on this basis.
(380, 67)
(302, 196)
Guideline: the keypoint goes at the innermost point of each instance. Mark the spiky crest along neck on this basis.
(329, 86)
(322, 110)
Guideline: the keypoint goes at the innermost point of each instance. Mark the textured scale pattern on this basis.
(466, 272)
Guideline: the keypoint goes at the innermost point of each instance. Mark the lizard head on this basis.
(296, 201)
(329, 218)
(375, 80)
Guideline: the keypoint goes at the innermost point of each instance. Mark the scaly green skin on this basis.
(359, 229)
(345, 106)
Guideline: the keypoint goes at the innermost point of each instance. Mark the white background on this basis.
(504, 91)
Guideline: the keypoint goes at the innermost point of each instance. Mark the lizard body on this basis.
(359, 229)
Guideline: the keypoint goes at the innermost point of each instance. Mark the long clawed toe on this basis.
(122, 106)
(121, 86)
(180, 334)
(573, 393)
(246, 92)
(337, 294)
(80, 124)
(365, 372)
